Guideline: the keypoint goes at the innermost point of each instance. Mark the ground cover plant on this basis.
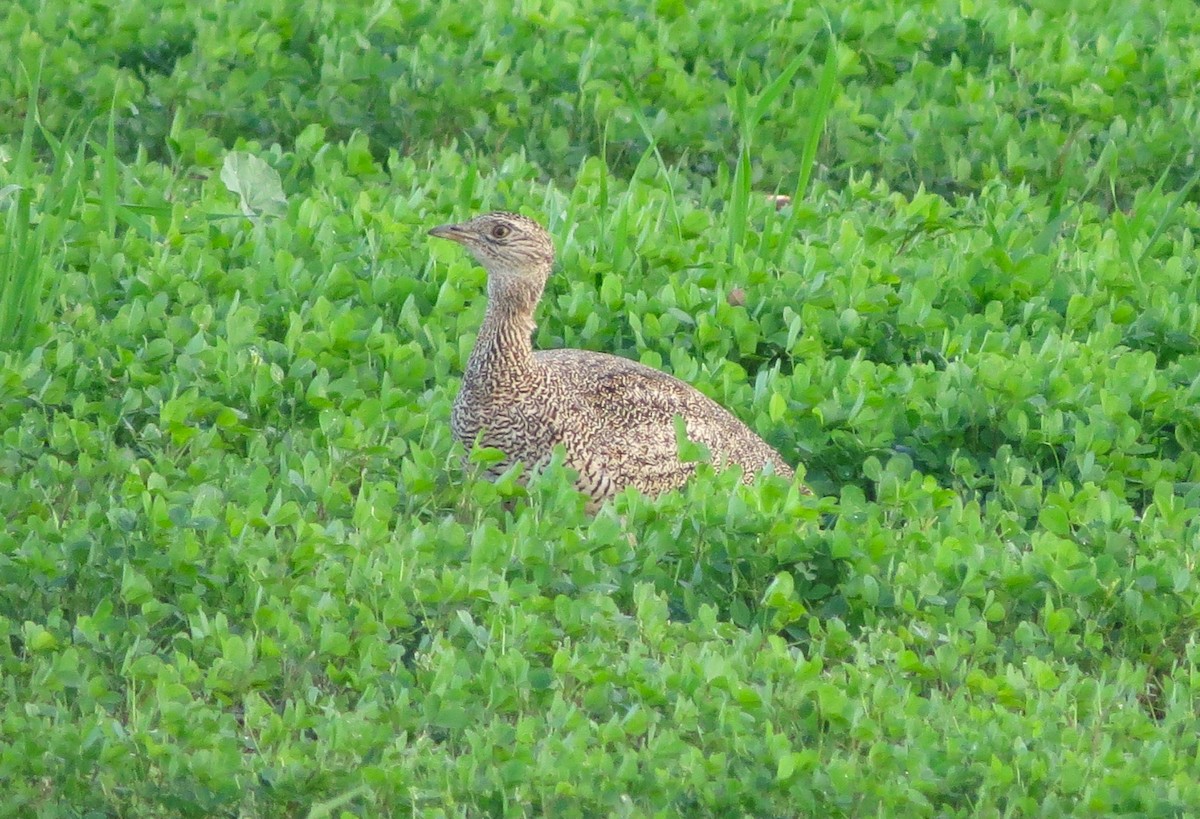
(242, 571)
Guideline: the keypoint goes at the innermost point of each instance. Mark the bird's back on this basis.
(615, 419)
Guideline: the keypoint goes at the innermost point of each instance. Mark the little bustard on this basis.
(614, 417)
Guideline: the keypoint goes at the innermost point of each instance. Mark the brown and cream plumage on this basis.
(614, 417)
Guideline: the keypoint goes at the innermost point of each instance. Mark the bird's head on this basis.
(510, 247)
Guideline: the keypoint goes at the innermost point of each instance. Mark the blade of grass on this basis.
(1125, 241)
(323, 810)
(57, 209)
(639, 117)
(737, 199)
(1128, 228)
(108, 171)
(33, 236)
(1042, 242)
(619, 235)
(748, 112)
(826, 91)
(17, 279)
(131, 216)
(466, 192)
(1168, 212)
(603, 194)
(822, 103)
(739, 203)
(774, 90)
(105, 155)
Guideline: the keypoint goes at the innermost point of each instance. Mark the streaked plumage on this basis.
(614, 417)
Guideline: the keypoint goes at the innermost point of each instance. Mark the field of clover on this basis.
(245, 572)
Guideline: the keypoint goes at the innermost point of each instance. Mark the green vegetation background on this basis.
(241, 571)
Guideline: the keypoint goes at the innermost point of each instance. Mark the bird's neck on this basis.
(503, 349)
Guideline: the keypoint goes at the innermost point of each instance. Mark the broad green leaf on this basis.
(256, 184)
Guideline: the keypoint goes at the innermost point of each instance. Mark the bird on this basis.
(614, 418)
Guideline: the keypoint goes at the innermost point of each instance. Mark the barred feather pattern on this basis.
(614, 417)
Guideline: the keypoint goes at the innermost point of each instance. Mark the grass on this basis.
(33, 236)
(243, 570)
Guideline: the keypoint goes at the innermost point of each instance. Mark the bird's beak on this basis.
(454, 233)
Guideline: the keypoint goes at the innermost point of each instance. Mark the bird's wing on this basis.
(633, 407)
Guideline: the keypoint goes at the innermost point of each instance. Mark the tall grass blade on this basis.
(822, 103)
(777, 86)
(31, 244)
(1059, 214)
(739, 202)
(109, 182)
(639, 116)
(1168, 212)
(17, 279)
(748, 112)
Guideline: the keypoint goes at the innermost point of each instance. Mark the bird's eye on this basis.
(500, 231)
